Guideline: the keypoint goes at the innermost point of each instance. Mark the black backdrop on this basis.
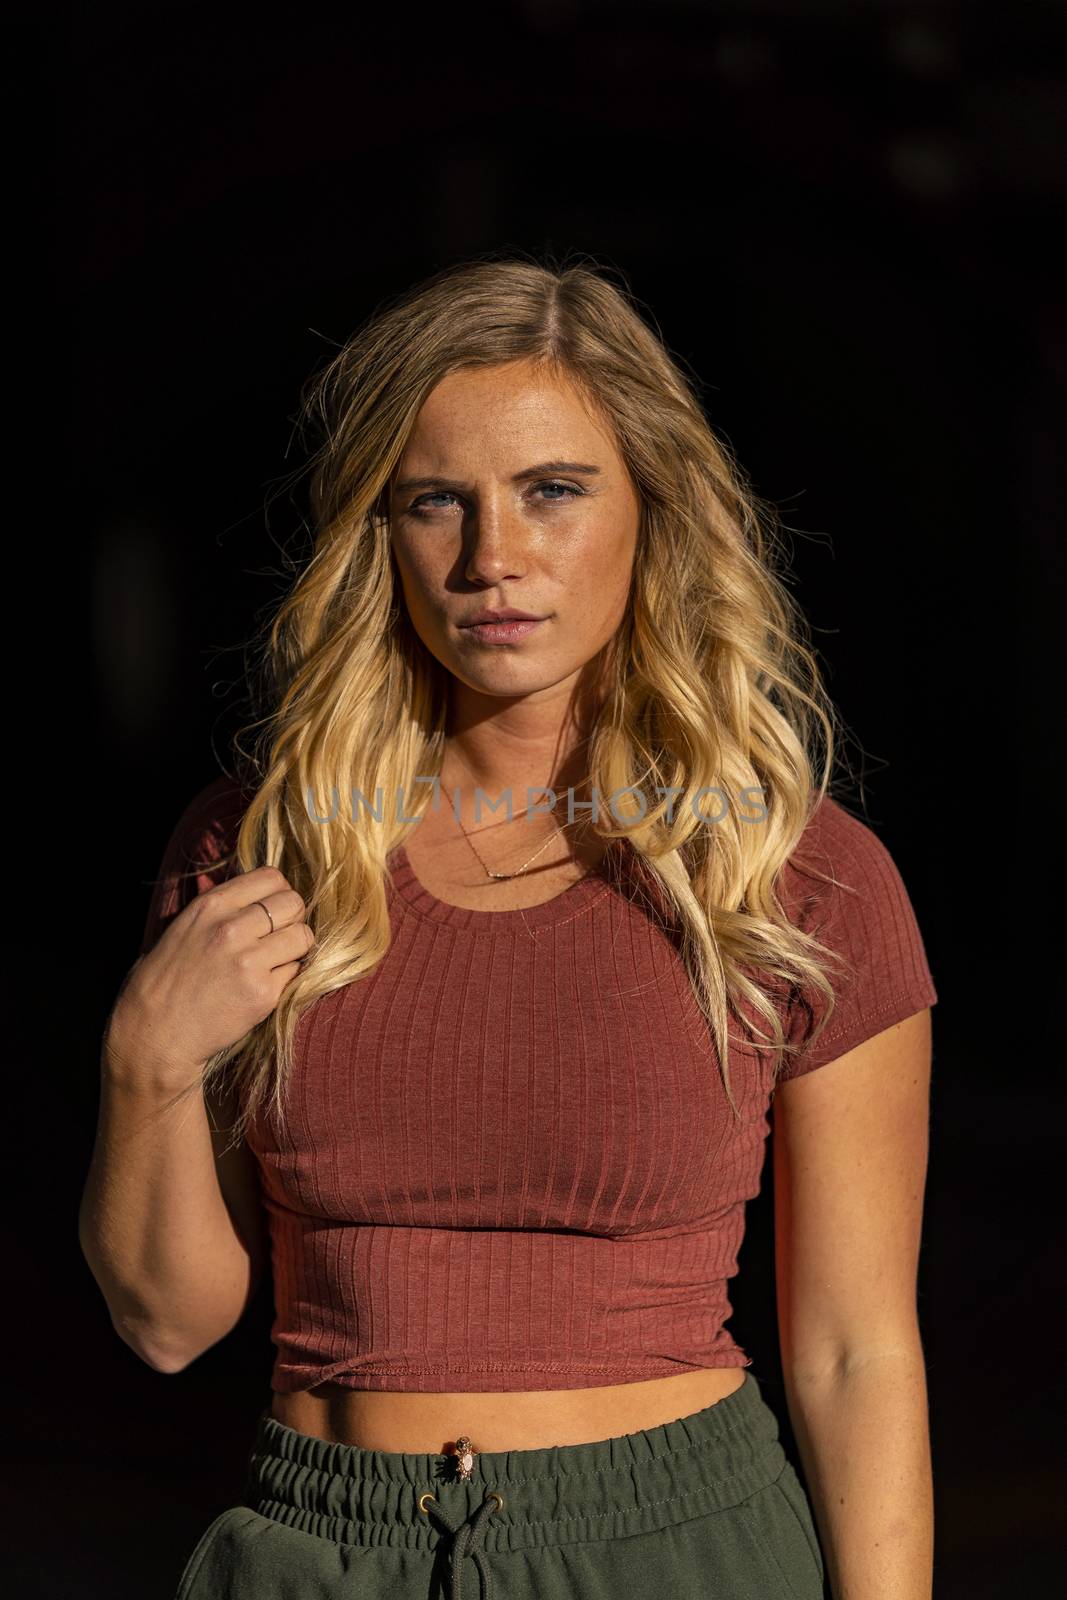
(842, 219)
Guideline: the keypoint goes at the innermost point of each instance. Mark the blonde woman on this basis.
(465, 1004)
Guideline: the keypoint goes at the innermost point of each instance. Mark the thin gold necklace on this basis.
(520, 870)
(501, 876)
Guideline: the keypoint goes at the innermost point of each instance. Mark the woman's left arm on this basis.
(849, 1150)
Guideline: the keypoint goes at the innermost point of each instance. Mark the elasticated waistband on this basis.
(564, 1494)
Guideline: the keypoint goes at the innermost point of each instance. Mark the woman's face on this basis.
(511, 494)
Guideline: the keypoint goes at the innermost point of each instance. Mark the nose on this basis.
(495, 544)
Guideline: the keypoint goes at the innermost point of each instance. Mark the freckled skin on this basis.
(565, 556)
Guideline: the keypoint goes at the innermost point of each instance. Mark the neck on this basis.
(509, 747)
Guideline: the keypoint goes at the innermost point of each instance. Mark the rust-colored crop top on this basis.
(509, 1162)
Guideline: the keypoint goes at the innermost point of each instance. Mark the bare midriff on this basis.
(378, 1419)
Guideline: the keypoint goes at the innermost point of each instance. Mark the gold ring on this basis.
(426, 1496)
(497, 1496)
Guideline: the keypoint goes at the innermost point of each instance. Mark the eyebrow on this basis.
(518, 477)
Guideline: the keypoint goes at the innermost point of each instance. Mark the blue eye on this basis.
(418, 509)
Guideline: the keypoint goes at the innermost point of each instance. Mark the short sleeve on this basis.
(865, 916)
(196, 854)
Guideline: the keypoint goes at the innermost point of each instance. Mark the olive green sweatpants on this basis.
(706, 1507)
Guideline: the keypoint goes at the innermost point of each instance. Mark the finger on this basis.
(282, 909)
(287, 973)
(247, 887)
(288, 945)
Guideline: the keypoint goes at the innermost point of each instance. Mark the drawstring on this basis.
(465, 1541)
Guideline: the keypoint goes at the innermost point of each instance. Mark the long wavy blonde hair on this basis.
(712, 681)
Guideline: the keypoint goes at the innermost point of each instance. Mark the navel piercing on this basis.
(465, 1454)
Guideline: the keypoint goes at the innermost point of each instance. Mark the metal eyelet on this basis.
(498, 1497)
(423, 1497)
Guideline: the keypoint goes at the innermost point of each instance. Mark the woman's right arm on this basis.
(172, 1229)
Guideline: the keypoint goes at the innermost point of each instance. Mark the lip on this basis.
(506, 632)
(505, 614)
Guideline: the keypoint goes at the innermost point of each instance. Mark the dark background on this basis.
(843, 220)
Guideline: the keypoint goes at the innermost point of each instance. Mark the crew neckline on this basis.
(570, 902)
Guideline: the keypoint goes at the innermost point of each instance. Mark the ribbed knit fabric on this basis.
(509, 1162)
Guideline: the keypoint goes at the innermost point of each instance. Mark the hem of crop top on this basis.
(590, 1375)
(576, 898)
